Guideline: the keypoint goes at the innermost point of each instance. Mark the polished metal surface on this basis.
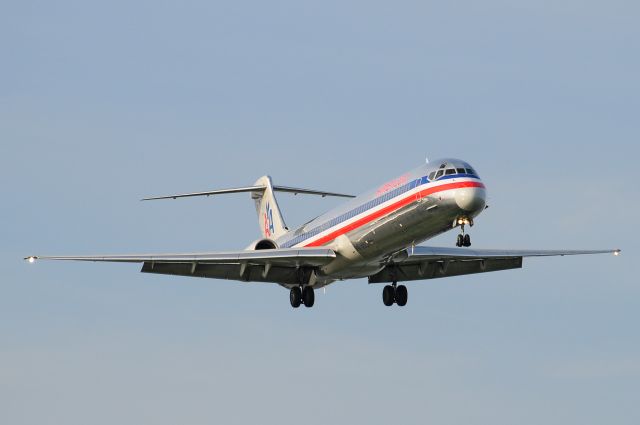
(373, 235)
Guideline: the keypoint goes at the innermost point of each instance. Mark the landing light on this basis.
(616, 253)
(31, 259)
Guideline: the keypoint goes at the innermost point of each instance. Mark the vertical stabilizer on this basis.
(269, 216)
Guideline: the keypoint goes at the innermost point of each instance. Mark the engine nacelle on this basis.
(262, 244)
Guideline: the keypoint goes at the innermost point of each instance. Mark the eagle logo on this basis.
(268, 221)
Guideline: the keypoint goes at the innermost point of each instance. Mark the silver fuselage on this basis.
(369, 230)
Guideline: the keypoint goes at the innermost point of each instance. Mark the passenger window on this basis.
(461, 171)
(439, 174)
(450, 171)
(432, 175)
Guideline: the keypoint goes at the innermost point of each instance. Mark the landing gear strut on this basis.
(302, 295)
(463, 238)
(395, 294)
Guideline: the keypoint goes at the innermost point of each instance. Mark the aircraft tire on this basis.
(308, 296)
(467, 240)
(402, 295)
(295, 297)
(388, 295)
(459, 241)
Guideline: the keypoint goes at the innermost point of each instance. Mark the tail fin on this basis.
(270, 218)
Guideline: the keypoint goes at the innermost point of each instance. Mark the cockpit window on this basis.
(439, 174)
(461, 171)
(432, 175)
(471, 171)
(450, 171)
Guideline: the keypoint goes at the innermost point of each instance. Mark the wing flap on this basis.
(424, 262)
(283, 266)
(250, 272)
(443, 268)
(439, 253)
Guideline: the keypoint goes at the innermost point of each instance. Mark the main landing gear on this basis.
(393, 293)
(463, 238)
(302, 295)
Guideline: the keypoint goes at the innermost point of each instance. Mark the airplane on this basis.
(374, 235)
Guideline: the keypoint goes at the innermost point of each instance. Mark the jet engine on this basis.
(262, 244)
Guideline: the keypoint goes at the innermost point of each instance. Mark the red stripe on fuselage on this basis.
(391, 208)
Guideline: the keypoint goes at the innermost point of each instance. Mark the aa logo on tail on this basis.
(268, 221)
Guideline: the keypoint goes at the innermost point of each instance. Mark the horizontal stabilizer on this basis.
(209, 193)
(294, 190)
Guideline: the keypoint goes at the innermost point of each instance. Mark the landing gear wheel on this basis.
(460, 240)
(466, 240)
(402, 295)
(295, 297)
(388, 295)
(308, 296)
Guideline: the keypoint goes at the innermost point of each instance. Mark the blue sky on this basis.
(104, 103)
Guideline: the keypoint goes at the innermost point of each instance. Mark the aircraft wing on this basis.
(269, 265)
(424, 262)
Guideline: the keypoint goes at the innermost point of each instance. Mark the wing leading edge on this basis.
(433, 262)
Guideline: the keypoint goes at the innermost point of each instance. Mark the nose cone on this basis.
(471, 199)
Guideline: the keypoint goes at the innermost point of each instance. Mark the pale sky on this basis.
(103, 103)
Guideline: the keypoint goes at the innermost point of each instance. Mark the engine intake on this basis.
(264, 244)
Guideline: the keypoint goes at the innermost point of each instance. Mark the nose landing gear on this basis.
(463, 238)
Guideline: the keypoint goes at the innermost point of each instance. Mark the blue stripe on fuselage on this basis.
(369, 205)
